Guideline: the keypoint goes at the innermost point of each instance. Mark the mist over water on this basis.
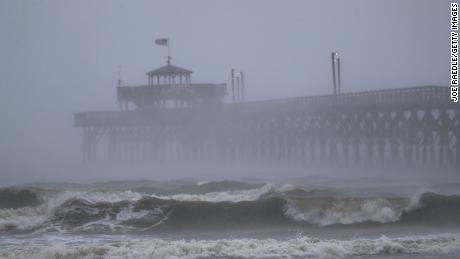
(211, 180)
(62, 57)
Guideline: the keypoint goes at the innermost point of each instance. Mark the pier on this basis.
(405, 126)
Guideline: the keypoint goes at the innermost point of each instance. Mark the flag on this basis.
(162, 42)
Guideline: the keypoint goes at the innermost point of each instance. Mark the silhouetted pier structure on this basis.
(407, 126)
(175, 120)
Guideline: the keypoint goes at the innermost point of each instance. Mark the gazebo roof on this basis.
(169, 70)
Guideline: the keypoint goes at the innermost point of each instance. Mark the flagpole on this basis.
(169, 57)
(119, 75)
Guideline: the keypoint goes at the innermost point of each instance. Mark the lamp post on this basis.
(237, 85)
(336, 72)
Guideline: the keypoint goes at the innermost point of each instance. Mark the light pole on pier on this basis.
(237, 85)
(336, 72)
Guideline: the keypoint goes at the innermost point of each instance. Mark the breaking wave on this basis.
(301, 247)
(110, 209)
(426, 207)
(233, 195)
(269, 204)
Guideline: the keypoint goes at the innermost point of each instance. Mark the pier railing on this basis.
(431, 97)
(408, 97)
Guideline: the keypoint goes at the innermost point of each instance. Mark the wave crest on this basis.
(328, 211)
(269, 204)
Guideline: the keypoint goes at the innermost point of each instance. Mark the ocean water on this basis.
(229, 219)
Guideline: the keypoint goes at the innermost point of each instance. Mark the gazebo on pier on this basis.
(170, 87)
(169, 75)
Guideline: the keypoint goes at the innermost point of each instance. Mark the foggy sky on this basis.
(60, 57)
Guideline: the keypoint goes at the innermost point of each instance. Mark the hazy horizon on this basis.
(62, 57)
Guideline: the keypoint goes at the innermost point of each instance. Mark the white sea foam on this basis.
(346, 212)
(30, 217)
(129, 214)
(202, 182)
(302, 247)
(232, 196)
(285, 188)
(105, 196)
(22, 218)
